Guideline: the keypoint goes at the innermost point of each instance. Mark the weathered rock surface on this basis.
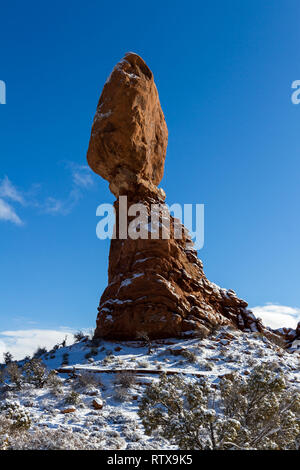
(71, 409)
(97, 404)
(158, 286)
(290, 336)
(129, 133)
(155, 286)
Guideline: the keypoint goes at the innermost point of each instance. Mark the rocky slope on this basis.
(55, 423)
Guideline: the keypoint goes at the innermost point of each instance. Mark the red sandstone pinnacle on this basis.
(156, 286)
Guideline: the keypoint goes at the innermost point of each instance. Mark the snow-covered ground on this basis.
(117, 425)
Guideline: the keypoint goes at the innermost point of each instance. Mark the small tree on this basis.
(35, 372)
(40, 352)
(144, 337)
(259, 412)
(8, 357)
(14, 374)
(16, 416)
(79, 336)
(178, 410)
(266, 408)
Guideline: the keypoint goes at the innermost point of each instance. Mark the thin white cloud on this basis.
(8, 213)
(53, 206)
(81, 180)
(21, 343)
(277, 316)
(9, 191)
(62, 207)
(82, 176)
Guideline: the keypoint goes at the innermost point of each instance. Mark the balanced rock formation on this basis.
(129, 133)
(156, 284)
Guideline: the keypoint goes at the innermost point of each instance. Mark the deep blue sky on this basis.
(223, 70)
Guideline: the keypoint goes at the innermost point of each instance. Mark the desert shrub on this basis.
(8, 357)
(73, 398)
(40, 352)
(214, 329)
(125, 379)
(278, 340)
(79, 336)
(131, 432)
(260, 352)
(257, 412)
(201, 333)
(252, 362)
(115, 415)
(258, 334)
(121, 394)
(54, 383)
(145, 339)
(15, 415)
(144, 364)
(119, 362)
(52, 439)
(14, 375)
(54, 349)
(88, 379)
(190, 356)
(107, 360)
(2, 376)
(92, 352)
(5, 429)
(205, 365)
(35, 373)
(65, 359)
(231, 357)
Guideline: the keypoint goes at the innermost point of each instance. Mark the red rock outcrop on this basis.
(156, 286)
(290, 336)
(129, 134)
(159, 287)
